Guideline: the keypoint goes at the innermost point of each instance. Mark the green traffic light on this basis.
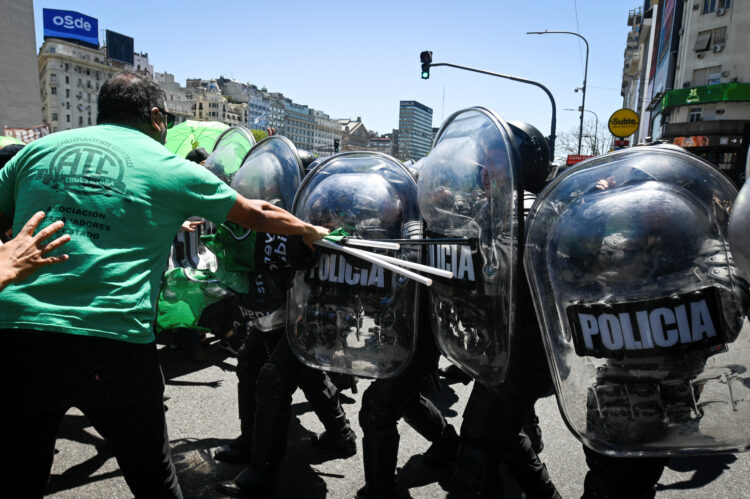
(425, 75)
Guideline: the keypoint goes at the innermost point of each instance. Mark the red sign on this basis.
(576, 158)
(622, 143)
(27, 134)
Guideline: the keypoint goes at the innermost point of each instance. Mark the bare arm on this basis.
(264, 217)
(24, 254)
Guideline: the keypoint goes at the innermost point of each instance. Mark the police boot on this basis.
(236, 451)
(379, 456)
(442, 453)
(532, 429)
(250, 483)
(340, 443)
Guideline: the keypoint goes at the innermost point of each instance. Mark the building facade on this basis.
(177, 101)
(70, 76)
(414, 130)
(19, 82)
(688, 75)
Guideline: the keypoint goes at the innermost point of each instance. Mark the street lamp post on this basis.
(596, 135)
(427, 64)
(585, 75)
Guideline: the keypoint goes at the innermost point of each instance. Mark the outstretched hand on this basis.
(24, 254)
(315, 234)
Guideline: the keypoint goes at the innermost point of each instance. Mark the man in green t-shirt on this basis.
(82, 334)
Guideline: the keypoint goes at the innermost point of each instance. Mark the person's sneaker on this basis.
(231, 345)
(442, 453)
(341, 443)
(534, 432)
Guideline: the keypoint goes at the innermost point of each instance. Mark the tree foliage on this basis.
(259, 135)
(594, 142)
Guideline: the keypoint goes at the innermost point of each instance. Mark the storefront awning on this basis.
(723, 92)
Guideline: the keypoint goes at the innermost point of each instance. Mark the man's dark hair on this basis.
(128, 98)
(7, 153)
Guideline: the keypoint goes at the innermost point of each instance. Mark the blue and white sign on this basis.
(70, 24)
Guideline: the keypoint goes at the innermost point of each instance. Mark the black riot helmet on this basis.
(536, 168)
(306, 157)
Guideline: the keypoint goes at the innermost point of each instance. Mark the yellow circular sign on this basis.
(624, 122)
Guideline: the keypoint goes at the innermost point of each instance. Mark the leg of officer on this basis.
(323, 396)
(253, 354)
(383, 405)
(620, 477)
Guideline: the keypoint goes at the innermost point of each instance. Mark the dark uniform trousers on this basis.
(269, 373)
(491, 431)
(117, 385)
(388, 400)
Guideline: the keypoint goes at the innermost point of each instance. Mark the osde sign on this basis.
(70, 22)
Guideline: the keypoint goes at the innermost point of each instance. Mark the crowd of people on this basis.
(118, 196)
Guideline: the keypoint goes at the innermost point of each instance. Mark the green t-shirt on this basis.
(122, 197)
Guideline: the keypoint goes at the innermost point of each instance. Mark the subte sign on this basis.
(624, 122)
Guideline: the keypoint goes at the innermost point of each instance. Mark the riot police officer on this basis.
(268, 372)
(641, 303)
(356, 318)
(485, 320)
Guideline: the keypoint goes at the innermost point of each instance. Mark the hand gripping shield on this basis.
(347, 315)
(229, 151)
(639, 302)
(469, 188)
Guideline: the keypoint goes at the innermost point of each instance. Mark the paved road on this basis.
(202, 415)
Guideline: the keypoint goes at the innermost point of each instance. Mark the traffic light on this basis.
(426, 58)
(335, 145)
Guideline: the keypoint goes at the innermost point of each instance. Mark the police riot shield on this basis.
(347, 315)
(229, 151)
(739, 229)
(271, 171)
(640, 304)
(468, 191)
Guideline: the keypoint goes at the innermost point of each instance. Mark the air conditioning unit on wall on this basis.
(718, 47)
(721, 11)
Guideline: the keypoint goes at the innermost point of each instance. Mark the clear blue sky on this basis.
(354, 59)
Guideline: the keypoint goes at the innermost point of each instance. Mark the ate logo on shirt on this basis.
(87, 167)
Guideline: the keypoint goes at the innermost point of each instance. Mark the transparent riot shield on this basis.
(271, 171)
(468, 188)
(739, 230)
(229, 151)
(639, 302)
(347, 315)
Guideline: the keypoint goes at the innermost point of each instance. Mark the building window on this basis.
(67, 118)
(80, 121)
(67, 93)
(53, 90)
(712, 5)
(67, 67)
(695, 115)
(67, 79)
(54, 116)
(67, 105)
(702, 76)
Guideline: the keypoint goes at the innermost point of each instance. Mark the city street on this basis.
(202, 414)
